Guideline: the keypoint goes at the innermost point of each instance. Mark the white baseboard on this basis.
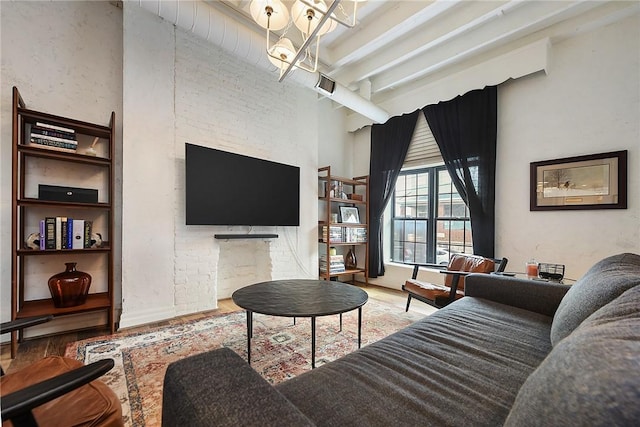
(129, 319)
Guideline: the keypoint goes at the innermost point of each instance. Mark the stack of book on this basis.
(51, 137)
(331, 234)
(337, 234)
(356, 235)
(64, 233)
(336, 264)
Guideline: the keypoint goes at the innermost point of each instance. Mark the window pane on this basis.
(398, 230)
(422, 206)
(399, 210)
(397, 252)
(421, 253)
(410, 231)
(423, 183)
(410, 207)
(410, 186)
(421, 231)
(400, 186)
(409, 252)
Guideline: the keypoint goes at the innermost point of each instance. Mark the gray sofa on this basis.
(513, 352)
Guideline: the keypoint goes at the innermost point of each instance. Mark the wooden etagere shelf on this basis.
(335, 192)
(86, 156)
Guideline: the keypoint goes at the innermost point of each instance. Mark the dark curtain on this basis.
(389, 145)
(465, 130)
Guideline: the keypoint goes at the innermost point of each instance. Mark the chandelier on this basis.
(312, 17)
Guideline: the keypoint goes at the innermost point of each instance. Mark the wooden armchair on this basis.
(57, 391)
(459, 266)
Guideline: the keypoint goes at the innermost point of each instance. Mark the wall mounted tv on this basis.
(224, 188)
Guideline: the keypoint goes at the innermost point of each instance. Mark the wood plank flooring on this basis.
(34, 349)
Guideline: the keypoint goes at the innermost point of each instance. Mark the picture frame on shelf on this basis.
(595, 181)
(349, 215)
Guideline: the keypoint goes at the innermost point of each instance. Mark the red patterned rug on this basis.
(279, 349)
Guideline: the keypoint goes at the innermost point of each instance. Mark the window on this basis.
(430, 220)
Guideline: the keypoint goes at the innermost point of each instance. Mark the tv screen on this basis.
(224, 188)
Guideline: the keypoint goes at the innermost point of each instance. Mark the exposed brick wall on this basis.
(223, 103)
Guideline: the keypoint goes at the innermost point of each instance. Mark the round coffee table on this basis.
(300, 298)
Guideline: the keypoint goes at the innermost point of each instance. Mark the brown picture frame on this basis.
(594, 181)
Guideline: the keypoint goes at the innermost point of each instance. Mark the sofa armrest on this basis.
(220, 388)
(537, 296)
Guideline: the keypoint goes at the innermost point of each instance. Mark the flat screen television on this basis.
(224, 188)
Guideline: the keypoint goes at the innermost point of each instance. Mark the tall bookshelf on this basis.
(34, 164)
(337, 229)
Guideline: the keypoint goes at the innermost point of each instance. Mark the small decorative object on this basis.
(92, 151)
(354, 196)
(69, 288)
(33, 241)
(96, 240)
(349, 214)
(552, 272)
(332, 251)
(350, 262)
(334, 218)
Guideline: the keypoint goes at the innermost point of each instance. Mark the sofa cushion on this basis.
(604, 282)
(462, 365)
(592, 377)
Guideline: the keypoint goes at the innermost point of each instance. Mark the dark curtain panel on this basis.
(465, 130)
(389, 145)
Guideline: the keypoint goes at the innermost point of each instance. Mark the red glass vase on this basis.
(69, 288)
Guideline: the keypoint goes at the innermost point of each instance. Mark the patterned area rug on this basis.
(279, 349)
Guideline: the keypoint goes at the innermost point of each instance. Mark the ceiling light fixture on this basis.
(312, 17)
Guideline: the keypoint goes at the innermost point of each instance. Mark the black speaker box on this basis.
(67, 194)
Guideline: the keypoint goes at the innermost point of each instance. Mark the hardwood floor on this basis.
(34, 349)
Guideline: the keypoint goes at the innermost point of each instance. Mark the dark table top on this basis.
(300, 298)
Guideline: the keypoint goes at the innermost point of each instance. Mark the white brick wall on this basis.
(221, 102)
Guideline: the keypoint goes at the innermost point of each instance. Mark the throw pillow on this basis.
(592, 377)
(604, 282)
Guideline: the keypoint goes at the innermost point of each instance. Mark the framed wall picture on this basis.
(596, 181)
(349, 215)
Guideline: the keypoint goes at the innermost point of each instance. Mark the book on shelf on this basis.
(55, 127)
(64, 232)
(43, 234)
(87, 234)
(45, 141)
(50, 230)
(77, 238)
(52, 133)
(50, 147)
(58, 235)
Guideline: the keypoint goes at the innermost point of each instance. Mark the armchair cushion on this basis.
(603, 283)
(93, 404)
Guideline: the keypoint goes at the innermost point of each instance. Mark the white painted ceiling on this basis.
(400, 45)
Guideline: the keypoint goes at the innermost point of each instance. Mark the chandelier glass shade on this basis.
(312, 17)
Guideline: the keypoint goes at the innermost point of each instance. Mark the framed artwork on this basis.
(349, 215)
(595, 181)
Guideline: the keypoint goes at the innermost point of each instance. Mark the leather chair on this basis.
(57, 391)
(459, 266)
